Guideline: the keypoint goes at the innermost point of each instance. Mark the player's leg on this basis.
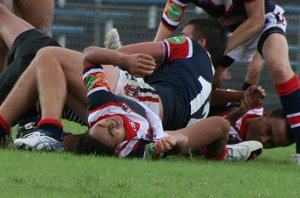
(70, 63)
(254, 70)
(52, 90)
(52, 66)
(22, 97)
(210, 137)
(211, 133)
(3, 47)
(286, 82)
(37, 13)
(11, 26)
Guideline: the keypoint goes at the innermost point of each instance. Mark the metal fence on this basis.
(78, 24)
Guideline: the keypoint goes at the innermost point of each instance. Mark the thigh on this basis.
(11, 26)
(36, 12)
(71, 63)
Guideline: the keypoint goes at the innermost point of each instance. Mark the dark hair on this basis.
(279, 113)
(215, 35)
(87, 145)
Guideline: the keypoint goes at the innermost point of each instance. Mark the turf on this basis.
(39, 174)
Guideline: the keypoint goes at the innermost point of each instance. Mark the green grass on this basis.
(39, 174)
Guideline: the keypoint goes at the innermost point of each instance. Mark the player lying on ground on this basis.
(250, 122)
(123, 128)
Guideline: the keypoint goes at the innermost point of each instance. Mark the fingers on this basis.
(146, 62)
(142, 65)
(257, 89)
(163, 145)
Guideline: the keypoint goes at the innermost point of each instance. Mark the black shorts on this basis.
(20, 56)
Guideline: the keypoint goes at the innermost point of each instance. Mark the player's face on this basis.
(109, 131)
(271, 132)
(187, 31)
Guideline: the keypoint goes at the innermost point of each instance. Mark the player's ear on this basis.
(202, 42)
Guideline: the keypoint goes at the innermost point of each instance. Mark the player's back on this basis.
(183, 83)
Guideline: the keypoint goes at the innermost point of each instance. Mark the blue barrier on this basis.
(292, 10)
(102, 15)
(68, 30)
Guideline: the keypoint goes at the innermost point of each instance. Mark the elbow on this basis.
(86, 56)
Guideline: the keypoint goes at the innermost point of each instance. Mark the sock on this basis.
(219, 156)
(4, 126)
(246, 85)
(289, 93)
(51, 127)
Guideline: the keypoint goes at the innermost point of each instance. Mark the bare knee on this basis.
(46, 54)
(46, 58)
(221, 125)
(280, 71)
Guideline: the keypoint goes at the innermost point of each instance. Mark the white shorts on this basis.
(246, 51)
(136, 89)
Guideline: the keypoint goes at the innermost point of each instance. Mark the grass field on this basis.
(39, 174)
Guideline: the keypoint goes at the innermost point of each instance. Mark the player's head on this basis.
(271, 129)
(210, 33)
(103, 137)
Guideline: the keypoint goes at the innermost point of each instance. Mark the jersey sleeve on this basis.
(177, 47)
(98, 92)
(173, 13)
(94, 79)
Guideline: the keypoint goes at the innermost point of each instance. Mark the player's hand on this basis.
(164, 144)
(256, 94)
(140, 65)
(252, 97)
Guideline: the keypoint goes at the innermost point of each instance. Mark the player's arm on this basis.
(221, 97)
(255, 20)
(171, 18)
(163, 51)
(139, 64)
(252, 97)
(173, 144)
(153, 49)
